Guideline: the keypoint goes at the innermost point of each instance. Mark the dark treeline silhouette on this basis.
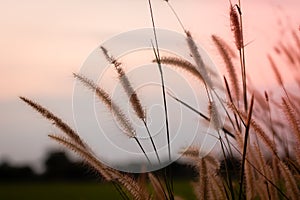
(59, 167)
(10, 173)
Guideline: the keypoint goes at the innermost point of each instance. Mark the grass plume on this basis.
(235, 26)
(220, 44)
(127, 86)
(114, 108)
(105, 98)
(198, 60)
(182, 64)
(56, 121)
(132, 95)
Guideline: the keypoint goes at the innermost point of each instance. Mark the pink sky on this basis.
(43, 42)
(47, 40)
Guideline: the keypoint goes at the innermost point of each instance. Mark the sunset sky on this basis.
(43, 42)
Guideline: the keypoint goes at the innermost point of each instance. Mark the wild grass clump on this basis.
(262, 133)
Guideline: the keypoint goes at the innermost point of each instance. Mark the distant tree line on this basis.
(59, 167)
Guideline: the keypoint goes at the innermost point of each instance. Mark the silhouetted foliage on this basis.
(59, 167)
(13, 173)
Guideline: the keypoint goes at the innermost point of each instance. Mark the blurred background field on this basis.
(74, 191)
(57, 191)
(66, 178)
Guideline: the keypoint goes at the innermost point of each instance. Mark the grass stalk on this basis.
(143, 150)
(152, 142)
(168, 174)
(245, 147)
(231, 101)
(157, 57)
(242, 57)
(199, 113)
(236, 21)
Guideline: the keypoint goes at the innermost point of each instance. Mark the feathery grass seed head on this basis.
(198, 60)
(182, 64)
(56, 120)
(113, 107)
(127, 86)
(220, 44)
(235, 27)
(214, 115)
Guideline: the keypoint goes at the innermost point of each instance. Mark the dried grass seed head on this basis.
(221, 45)
(113, 107)
(127, 86)
(236, 27)
(56, 120)
(198, 60)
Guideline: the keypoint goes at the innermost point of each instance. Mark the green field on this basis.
(73, 191)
